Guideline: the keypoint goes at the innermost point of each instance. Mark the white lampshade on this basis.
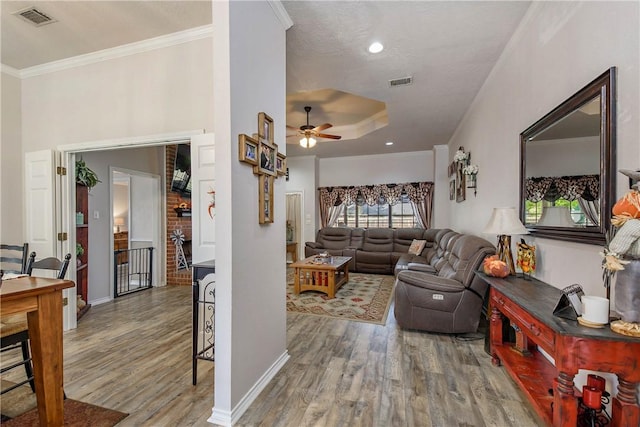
(556, 216)
(308, 142)
(505, 221)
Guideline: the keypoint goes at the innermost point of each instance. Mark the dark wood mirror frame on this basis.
(604, 85)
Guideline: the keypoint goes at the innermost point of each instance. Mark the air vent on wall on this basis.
(401, 82)
(34, 16)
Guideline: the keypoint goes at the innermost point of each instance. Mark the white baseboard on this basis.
(229, 418)
(100, 301)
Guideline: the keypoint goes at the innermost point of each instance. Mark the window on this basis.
(382, 215)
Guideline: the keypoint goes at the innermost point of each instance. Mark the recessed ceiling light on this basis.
(388, 143)
(376, 47)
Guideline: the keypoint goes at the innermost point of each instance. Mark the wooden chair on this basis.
(14, 330)
(13, 258)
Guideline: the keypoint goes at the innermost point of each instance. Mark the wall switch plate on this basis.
(96, 214)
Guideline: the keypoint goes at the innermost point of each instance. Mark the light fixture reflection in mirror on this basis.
(567, 163)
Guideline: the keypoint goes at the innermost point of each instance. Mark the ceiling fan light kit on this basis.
(308, 142)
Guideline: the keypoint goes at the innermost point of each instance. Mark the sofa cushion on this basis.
(378, 240)
(334, 238)
(404, 237)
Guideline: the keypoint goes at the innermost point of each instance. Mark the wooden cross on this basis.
(260, 151)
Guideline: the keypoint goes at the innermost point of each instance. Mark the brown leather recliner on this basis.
(449, 299)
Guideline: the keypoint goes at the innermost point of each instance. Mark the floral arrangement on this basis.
(470, 170)
(460, 156)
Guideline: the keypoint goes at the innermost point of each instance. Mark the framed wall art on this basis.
(452, 189)
(265, 127)
(266, 159)
(248, 149)
(281, 164)
(265, 199)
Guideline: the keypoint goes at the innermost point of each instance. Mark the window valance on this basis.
(375, 194)
(551, 189)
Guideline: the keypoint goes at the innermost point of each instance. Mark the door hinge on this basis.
(61, 170)
(62, 237)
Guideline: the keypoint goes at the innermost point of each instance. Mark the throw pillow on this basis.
(417, 246)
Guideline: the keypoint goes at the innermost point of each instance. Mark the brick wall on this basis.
(175, 277)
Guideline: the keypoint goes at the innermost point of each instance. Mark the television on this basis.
(181, 181)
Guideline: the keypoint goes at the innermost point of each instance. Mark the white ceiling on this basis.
(448, 47)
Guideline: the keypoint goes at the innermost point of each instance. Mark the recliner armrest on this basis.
(426, 268)
(313, 245)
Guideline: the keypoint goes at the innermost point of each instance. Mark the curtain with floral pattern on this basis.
(334, 199)
(570, 188)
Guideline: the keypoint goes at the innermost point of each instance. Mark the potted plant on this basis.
(79, 253)
(85, 176)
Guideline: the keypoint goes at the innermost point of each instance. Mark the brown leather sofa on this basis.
(437, 290)
(444, 295)
(373, 250)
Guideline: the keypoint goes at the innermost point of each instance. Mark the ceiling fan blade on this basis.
(322, 127)
(292, 128)
(324, 135)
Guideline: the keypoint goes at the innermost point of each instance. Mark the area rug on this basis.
(18, 409)
(364, 298)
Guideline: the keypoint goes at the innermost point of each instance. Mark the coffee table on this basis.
(321, 274)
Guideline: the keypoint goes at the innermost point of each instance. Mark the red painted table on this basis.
(529, 304)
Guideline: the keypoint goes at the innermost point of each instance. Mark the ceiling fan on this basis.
(310, 133)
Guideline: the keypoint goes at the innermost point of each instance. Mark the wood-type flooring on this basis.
(134, 355)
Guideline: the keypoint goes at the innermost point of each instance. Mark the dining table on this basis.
(41, 299)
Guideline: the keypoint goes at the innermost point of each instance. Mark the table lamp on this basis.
(118, 222)
(504, 222)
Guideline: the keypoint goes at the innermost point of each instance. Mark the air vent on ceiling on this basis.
(401, 82)
(34, 16)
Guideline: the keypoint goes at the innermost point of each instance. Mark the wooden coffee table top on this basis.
(328, 263)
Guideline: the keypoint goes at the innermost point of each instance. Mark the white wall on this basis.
(558, 49)
(303, 177)
(156, 92)
(249, 71)
(10, 161)
(377, 169)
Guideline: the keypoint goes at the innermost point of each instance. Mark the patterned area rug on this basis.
(18, 409)
(365, 298)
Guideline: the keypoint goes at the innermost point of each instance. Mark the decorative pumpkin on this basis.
(492, 266)
(628, 207)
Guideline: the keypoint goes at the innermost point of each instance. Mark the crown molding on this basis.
(119, 51)
(281, 13)
(10, 70)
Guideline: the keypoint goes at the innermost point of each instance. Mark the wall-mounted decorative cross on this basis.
(260, 151)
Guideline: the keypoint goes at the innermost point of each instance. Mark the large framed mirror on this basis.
(567, 166)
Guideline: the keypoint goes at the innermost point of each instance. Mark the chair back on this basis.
(50, 263)
(13, 258)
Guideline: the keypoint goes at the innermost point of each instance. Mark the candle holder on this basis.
(588, 414)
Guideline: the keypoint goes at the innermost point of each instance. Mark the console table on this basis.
(202, 330)
(529, 304)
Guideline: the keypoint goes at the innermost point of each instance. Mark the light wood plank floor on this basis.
(133, 355)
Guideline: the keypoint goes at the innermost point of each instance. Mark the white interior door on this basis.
(45, 186)
(203, 219)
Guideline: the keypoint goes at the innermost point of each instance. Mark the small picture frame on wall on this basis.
(265, 199)
(281, 164)
(266, 159)
(452, 189)
(248, 150)
(265, 127)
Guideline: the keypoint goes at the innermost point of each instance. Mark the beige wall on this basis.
(558, 48)
(10, 161)
(156, 92)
